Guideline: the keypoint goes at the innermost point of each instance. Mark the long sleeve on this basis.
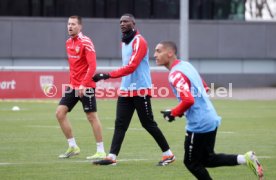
(182, 85)
(139, 51)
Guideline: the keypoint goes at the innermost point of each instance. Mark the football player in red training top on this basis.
(82, 63)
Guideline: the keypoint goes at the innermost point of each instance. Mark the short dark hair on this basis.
(77, 17)
(130, 15)
(169, 44)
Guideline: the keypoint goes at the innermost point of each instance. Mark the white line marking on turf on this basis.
(89, 161)
(68, 161)
(264, 157)
(3, 164)
(30, 101)
(39, 126)
(226, 132)
(141, 129)
(21, 119)
(119, 160)
(134, 129)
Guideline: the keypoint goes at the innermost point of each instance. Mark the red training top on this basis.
(82, 61)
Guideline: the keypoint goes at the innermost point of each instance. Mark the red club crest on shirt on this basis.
(77, 49)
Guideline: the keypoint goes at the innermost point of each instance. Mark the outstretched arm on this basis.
(139, 47)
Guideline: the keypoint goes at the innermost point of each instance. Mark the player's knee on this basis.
(92, 117)
(60, 114)
(121, 126)
(189, 165)
(150, 128)
(211, 157)
(149, 125)
(145, 125)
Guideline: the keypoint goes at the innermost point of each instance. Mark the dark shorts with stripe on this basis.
(70, 98)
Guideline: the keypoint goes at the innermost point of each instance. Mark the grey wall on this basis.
(241, 80)
(223, 51)
(45, 38)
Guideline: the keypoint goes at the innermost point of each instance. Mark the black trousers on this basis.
(125, 109)
(199, 154)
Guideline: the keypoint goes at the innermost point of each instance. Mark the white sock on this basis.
(241, 159)
(112, 156)
(167, 153)
(100, 147)
(72, 142)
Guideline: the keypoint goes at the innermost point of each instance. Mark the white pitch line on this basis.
(123, 160)
(31, 101)
(4, 164)
(89, 161)
(68, 161)
(20, 119)
(133, 129)
(226, 132)
(141, 129)
(9, 164)
(39, 126)
(265, 157)
(119, 160)
(10, 109)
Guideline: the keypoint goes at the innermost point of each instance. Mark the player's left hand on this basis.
(99, 76)
(167, 115)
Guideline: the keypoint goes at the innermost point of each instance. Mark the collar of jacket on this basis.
(128, 36)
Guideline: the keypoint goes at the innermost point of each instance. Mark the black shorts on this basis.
(70, 99)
